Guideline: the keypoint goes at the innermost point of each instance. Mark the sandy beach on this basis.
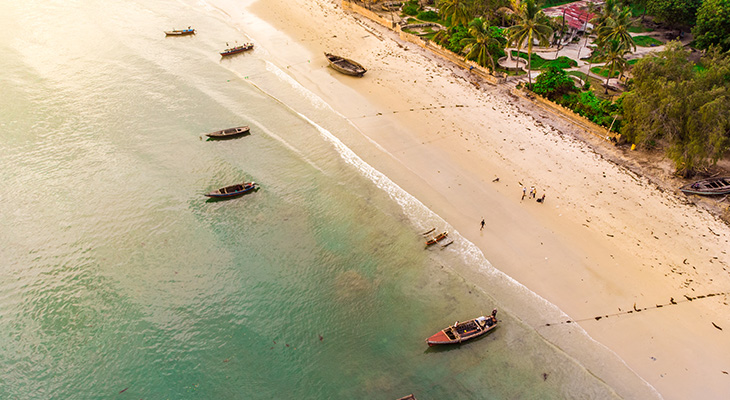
(605, 242)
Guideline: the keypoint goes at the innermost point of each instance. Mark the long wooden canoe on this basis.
(236, 49)
(435, 239)
(708, 187)
(180, 32)
(345, 65)
(233, 190)
(229, 133)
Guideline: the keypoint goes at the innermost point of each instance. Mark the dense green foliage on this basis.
(676, 13)
(428, 16)
(713, 24)
(410, 8)
(672, 103)
(553, 83)
(601, 112)
(480, 45)
(456, 35)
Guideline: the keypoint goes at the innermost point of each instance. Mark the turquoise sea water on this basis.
(119, 279)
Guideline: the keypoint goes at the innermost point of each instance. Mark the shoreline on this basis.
(593, 248)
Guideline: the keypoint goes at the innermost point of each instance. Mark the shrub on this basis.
(456, 34)
(428, 16)
(410, 8)
(553, 83)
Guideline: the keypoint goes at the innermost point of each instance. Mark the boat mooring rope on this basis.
(672, 302)
(411, 110)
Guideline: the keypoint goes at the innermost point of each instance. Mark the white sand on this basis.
(604, 240)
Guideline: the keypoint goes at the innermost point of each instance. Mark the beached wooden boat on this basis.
(229, 133)
(437, 238)
(180, 32)
(462, 331)
(344, 65)
(409, 397)
(708, 187)
(233, 190)
(236, 49)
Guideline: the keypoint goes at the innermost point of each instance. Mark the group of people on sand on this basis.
(533, 194)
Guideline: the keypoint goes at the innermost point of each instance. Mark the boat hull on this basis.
(230, 133)
(435, 239)
(180, 33)
(461, 332)
(236, 50)
(232, 191)
(708, 187)
(345, 65)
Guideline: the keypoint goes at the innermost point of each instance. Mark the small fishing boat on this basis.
(463, 331)
(233, 190)
(180, 32)
(437, 238)
(236, 49)
(229, 133)
(708, 187)
(409, 397)
(344, 65)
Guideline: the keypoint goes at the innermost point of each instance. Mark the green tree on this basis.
(529, 27)
(616, 27)
(553, 83)
(615, 59)
(675, 13)
(689, 111)
(479, 43)
(713, 24)
(456, 11)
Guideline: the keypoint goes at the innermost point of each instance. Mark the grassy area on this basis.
(639, 29)
(603, 72)
(538, 62)
(582, 75)
(632, 62)
(647, 41)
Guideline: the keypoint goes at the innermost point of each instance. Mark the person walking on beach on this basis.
(533, 191)
(482, 228)
(541, 199)
(524, 191)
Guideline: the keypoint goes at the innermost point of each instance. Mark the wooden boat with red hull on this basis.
(463, 331)
(232, 191)
(236, 49)
(229, 133)
(708, 187)
(435, 239)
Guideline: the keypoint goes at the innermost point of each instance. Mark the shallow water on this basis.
(119, 276)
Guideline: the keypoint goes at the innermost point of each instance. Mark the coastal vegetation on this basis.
(663, 101)
(686, 109)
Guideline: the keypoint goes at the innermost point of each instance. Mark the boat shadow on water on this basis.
(442, 348)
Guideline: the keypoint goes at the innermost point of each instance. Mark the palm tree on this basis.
(615, 60)
(603, 15)
(477, 46)
(527, 29)
(456, 10)
(617, 28)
